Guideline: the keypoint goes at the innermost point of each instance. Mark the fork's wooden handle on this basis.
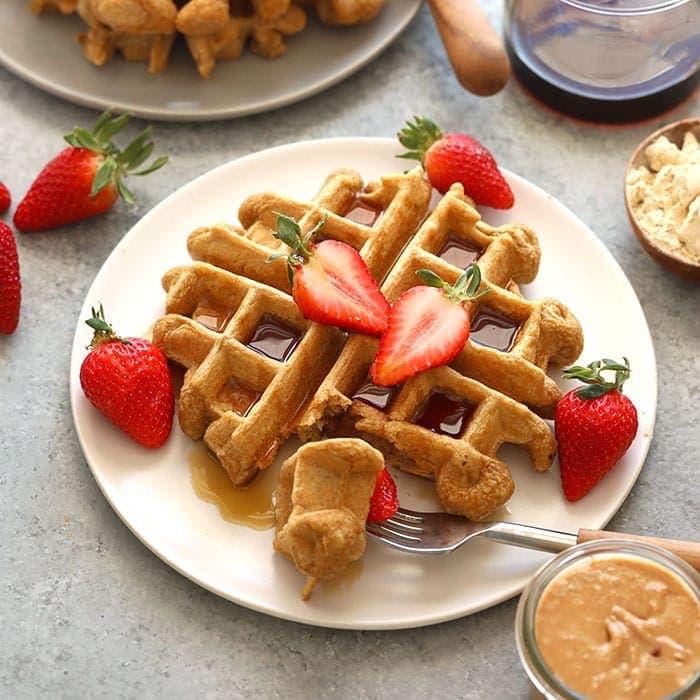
(688, 551)
(473, 47)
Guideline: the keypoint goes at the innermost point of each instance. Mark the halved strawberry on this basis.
(330, 281)
(385, 501)
(428, 326)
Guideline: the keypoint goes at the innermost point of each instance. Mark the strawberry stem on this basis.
(466, 288)
(289, 232)
(117, 163)
(418, 137)
(104, 333)
(595, 383)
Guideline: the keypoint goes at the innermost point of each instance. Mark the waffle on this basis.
(321, 506)
(214, 33)
(65, 7)
(215, 30)
(208, 322)
(447, 424)
(251, 361)
(391, 208)
(141, 30)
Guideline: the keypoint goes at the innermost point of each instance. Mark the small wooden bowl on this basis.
(675, 263)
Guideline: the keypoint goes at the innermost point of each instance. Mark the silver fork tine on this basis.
(410, 516)
(393, 534)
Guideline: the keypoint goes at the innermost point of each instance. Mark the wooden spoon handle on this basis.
(688, 551)
(473, 47)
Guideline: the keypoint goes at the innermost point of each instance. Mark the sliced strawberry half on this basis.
(385, 501)
(330, 281)
(428, 326)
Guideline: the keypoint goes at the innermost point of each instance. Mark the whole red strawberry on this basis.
(87, 178)
(456, 158)
(5, 198)
(595, 426)
(384, 502)
(127, 380)
(427, 327)
(10, 286)
(330, 281)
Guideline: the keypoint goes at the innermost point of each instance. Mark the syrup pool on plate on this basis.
(251, 507)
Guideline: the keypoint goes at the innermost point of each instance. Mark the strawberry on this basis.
(5, 198)
(86, 178)
(127, 380)
(330, 281)
(456, 158)
(384, 502)
(595, 425)
(428, 326)
(10, 286)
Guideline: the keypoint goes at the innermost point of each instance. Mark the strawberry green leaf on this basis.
(155, 165)
(103, 176)
(110, 128)
(418, 137)
(430, 278)
(124, 192)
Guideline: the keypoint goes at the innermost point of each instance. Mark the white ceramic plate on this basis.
(43, 51)
(151, 490)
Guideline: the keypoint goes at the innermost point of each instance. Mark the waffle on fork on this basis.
(469, 479)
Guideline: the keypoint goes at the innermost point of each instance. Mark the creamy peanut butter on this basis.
(618, 626)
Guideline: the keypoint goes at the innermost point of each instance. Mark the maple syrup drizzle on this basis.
(237, 397)
(275, 338)
(380, 397)
(493, 329)
(213, 316)
(362, 213)
(444, 413)
(251, 507)
(459, 252)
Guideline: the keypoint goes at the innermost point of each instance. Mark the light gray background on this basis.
(85, 609)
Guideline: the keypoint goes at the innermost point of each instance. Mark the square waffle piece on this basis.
(141, 30)
(65, 7)
(215, 317)
(321, 506)
(446, 424)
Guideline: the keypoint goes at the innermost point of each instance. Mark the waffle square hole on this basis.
(235, 396)
(275, 338)
(460, 252)
(380, 397)
(213, 316)
(445, 413)
(493, 329)
(362, 213)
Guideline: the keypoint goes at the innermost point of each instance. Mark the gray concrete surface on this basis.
(85, 609)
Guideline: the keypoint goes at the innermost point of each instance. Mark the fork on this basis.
(441, 533)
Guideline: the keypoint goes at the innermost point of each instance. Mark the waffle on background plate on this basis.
(231, 322)
(215, 30)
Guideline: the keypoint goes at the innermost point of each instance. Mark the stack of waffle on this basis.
(215, 30)
(257, 371)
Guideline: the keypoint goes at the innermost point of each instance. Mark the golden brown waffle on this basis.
(405, 422)
(65, 7)
(214, 34)
(251, 357)
(345, 12)
(215, 30)
(141, 30)
(321, 506)
(392, 209)
(194, 290)
(459, 453)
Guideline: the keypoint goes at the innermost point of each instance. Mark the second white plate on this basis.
(151, 490)
(246, 86)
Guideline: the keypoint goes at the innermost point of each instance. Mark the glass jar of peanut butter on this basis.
(612, 620)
